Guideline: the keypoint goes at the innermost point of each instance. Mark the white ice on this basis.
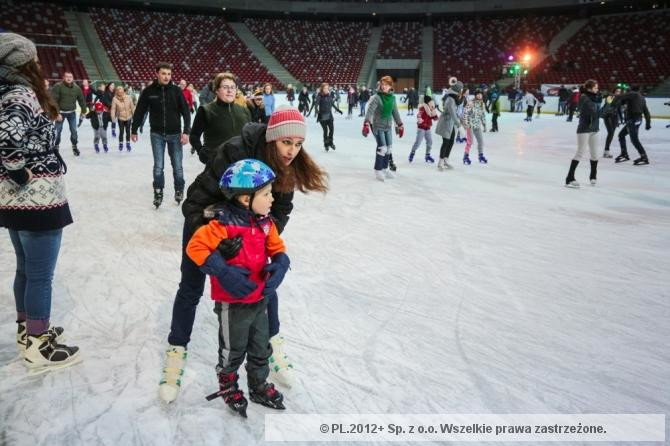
(486, 289)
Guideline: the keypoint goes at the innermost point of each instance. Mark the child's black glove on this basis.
(230, 247)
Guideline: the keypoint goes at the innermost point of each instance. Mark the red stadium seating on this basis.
(315, 51)
(474, 50)
(401, 40)
(634, 49)
(44, 24)
(198, 46)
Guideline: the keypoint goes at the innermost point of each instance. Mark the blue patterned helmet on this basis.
(245, 177)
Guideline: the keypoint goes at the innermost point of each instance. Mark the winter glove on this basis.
(233, 279)
(400, 130)
(277, 270)
(366, 129)
(230, 247)
(648, 126)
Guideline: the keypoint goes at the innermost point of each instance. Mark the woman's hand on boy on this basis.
(230, 247)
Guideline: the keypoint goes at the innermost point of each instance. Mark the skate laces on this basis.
(229, 389)
(174, 367)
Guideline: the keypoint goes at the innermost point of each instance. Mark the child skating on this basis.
(474, 121)
(240, 285)
(424, 121)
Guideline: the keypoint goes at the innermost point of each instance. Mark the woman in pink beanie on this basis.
(279, 143)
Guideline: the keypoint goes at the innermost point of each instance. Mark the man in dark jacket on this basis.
(363, 99)
(636, 107)
(67, 94)
(207, 94)
(166, 104)
(255, 107)
(563, 95)
(412, 101)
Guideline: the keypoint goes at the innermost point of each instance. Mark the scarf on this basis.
(12, 76)
(387, 104)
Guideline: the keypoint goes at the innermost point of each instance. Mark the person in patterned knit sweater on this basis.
(33, 205)
(474, 121)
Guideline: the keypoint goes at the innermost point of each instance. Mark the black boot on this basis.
(642, 160)
(178, 196)
(266, 394)
(594, 172)
(621, 158)
(231, 393)
(570, 179)
(75, 150)
(158, 197)
(392, 165)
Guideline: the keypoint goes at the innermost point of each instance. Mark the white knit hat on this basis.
(16, 50)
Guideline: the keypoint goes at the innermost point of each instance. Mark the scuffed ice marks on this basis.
(486, 288)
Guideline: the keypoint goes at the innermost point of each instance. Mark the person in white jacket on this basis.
(530, 102)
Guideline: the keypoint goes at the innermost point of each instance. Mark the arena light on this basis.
(526, 57)
(510, 58)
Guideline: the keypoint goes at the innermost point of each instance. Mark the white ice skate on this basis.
(44, 354)
(175, 362)
(379, 175)
(22, 337)
(388, 174)
(593, 181)
(440, 164)
(281, 369)
(572, 184)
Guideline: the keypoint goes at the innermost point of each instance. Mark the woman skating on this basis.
(587, 133)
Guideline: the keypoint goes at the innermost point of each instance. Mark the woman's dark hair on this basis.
(589, 84)
(33, 71)
(302, 174)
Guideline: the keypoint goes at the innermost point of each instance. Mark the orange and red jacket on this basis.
(260, 240)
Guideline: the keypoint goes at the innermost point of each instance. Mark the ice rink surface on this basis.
(485, 289)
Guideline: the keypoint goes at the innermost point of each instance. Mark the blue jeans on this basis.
(362, 104)
(36, 256)
(191, 287)
(176, 154)
(383, 153)
(71, 119)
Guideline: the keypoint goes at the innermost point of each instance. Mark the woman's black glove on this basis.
(230, 247)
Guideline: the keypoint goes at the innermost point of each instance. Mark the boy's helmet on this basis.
(245, 177)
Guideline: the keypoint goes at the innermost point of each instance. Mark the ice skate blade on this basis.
(34, 371)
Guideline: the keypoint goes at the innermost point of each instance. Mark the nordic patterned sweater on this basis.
(27, 142)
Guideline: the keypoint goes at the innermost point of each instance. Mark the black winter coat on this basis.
(166, 105)
(589, 115)
(205, 189)
(324, 107)
(636, 106)
(364, 96)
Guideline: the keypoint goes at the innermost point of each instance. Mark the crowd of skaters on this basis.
(226, 124)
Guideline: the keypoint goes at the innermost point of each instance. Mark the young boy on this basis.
(240, 284)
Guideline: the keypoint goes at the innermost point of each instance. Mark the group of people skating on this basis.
(625, 108)
(234, 211)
